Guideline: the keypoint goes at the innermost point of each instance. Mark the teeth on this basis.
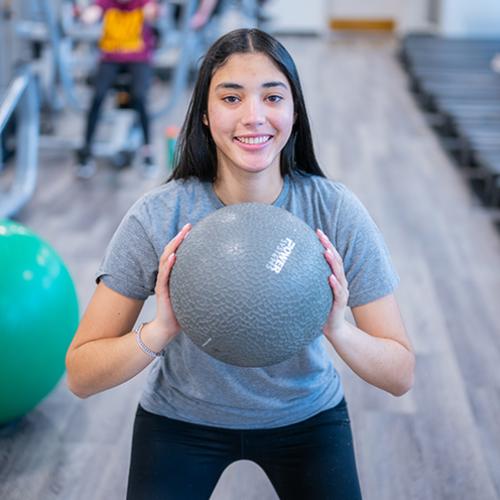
(254, 140)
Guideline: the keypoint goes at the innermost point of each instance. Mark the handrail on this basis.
(11, 99)
(21, 98)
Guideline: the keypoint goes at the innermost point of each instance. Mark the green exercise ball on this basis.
(38, 318)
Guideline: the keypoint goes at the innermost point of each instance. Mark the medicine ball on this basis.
(250, 285)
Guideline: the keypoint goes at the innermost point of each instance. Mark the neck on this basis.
(233, 188)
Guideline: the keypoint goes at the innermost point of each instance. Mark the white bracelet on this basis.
(143, 346)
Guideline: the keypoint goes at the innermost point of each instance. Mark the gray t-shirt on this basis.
(187, 384)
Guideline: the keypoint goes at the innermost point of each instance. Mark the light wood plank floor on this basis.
(440, 441)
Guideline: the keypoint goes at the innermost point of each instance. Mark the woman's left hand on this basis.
(340, 288)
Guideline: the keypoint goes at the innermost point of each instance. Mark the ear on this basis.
(205, 119)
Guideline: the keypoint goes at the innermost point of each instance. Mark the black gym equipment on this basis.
(454, 83)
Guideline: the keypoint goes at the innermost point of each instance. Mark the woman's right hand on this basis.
(165, 322)
(104, 352)
(91, 14)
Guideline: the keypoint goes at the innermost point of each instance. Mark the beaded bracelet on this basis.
(143, 346)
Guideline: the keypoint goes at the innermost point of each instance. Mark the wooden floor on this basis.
(440, 441)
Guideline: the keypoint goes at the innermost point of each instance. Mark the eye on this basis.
(274, 98)
(231, 99)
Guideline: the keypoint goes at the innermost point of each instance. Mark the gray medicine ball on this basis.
(250, 285)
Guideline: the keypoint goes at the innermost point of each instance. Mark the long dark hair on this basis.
(196, 154)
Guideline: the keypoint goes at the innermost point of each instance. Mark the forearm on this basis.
(105, 363)
(384, 363)
(207, 7)
(203, 13)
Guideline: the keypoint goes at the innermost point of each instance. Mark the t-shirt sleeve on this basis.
(130, 264)
(367, 263)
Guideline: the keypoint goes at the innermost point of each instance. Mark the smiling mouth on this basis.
(261, 139)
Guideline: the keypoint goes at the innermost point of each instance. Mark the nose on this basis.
(253, 112)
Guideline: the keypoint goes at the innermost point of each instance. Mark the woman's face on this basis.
(250, 113)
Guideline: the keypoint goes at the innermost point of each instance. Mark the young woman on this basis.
(246, 138)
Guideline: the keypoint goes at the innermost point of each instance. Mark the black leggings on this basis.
(310, 460)
(140, 73)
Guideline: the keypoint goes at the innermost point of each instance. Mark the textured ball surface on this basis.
(250, 285)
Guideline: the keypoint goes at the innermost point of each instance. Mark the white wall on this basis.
(298, 16)
(408, 14)
(456, 17)
(314, 15)
(470, 17)
(364, 8)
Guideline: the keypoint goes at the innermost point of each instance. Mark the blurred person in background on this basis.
(126, 45)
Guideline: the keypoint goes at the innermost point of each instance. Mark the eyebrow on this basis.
(237, 86)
